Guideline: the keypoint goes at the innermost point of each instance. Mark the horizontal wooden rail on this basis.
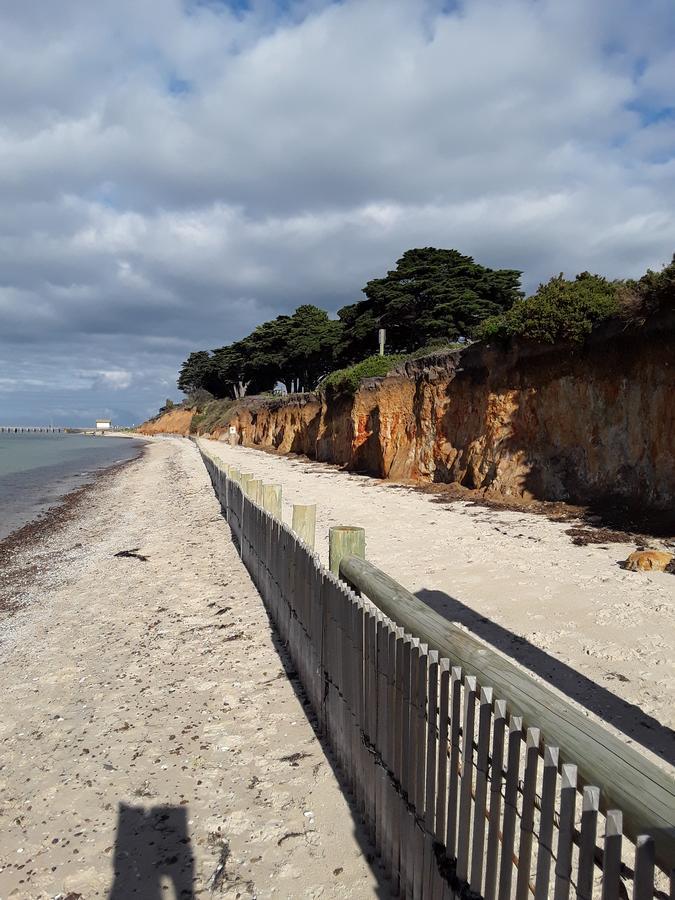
(627, 780)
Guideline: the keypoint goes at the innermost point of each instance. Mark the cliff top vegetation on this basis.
(347, 380)
(432, 296)
(569, 309)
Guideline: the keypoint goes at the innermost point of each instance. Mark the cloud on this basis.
(166, 189)
(116, 379)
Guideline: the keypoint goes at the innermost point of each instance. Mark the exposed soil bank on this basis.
(592, 426)
(176, 421)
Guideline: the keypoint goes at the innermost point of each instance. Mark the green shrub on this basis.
(560, 310)
(655, 290)
(347, 381)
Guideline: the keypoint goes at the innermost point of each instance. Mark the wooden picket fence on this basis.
(461, 797)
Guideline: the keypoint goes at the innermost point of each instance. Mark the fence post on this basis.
(244, 479)
(271, 499)
(254, 489)
(304, 523)
(345, 540)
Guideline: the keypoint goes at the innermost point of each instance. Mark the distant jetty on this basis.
(20, 429)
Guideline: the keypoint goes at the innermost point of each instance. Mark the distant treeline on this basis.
(432, 298)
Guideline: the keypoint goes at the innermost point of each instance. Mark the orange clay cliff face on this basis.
(175, 421)
(576, 425)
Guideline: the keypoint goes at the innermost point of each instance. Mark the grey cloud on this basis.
(311, 148)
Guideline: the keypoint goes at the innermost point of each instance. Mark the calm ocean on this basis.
(37, 470)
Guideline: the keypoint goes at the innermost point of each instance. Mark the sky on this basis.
(173, 172)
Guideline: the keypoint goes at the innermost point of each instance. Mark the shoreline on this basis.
(18, 543)
(54, 466)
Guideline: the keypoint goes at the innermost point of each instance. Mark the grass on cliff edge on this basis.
(211, 415)
(347, 381)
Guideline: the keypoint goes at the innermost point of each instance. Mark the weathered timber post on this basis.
(271, 499)
(345, 540)
(235, 474)
(304, 523)
(254, 489)
(244, 479)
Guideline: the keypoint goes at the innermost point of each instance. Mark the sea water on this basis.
(38, 469)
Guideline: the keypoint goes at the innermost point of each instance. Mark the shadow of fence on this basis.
(621, 714)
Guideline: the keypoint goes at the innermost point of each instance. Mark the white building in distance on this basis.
(103, 424)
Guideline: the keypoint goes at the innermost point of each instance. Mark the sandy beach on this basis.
(151, 736)
(603, 636)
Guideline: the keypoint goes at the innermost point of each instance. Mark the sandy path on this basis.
(148, 697)
(602, 635)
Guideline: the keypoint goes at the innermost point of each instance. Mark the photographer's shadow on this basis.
(152, 847)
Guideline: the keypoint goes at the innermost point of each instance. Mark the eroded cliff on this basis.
(577, 425)
(174, 421)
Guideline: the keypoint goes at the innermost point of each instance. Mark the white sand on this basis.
(157, 684)
(602, 635)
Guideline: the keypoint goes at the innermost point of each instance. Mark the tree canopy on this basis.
(431, 295)
(197, 373)
(295, 351)
(655, 290)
